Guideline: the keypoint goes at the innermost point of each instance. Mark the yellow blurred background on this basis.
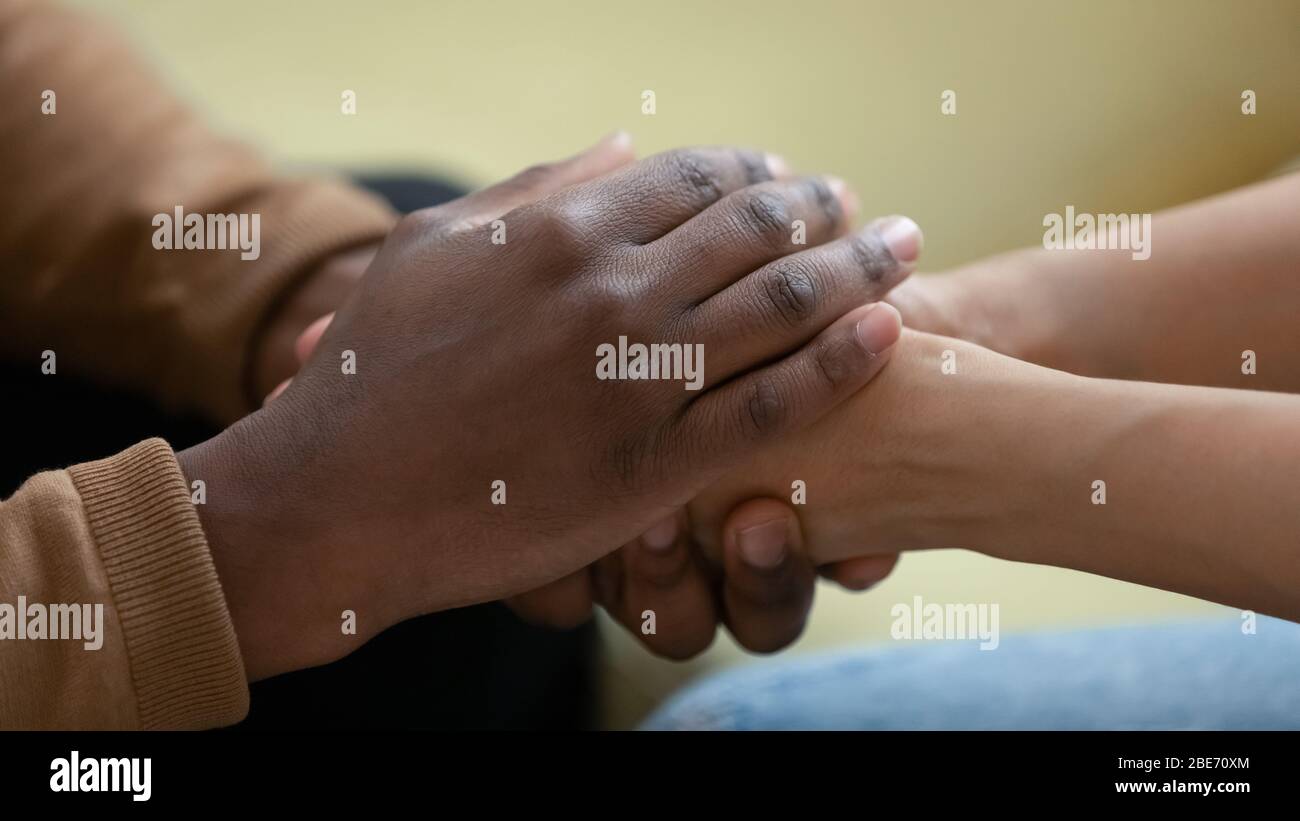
(1107, 105)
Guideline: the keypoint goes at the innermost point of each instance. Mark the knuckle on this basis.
(419, 223)
(871, 257)
(766, 214)
(569, 619)
(563, 229)
(779, 588)
(835, 361)
(697, 172)
(826, 200)
(772, 642)
(533, 176)
(610, 303)
(665, 576)
(687, 647)
(791, 290)
(754, 166)
(765, 411)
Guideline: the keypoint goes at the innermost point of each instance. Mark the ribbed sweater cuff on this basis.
(184, 656)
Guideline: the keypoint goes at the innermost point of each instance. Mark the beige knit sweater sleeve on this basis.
(92, 147)
(85, 173)
(120, 534)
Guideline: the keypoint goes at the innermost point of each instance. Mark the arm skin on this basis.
(1223, 277)
(1000, 457)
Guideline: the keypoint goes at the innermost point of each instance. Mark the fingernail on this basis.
(311, 336)
(619, 139)
(848, 200)
(776, 166)
(763, 546)
(903, 238)
(662, 536)
(879, 329)
(276, 391)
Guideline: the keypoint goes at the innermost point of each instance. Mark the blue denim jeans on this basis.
(1199, 675)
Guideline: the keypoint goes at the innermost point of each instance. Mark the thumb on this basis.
(768, 580)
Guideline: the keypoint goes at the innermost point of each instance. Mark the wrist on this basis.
(1025, 304)
(980, 464)
(994, 303)
(1044, 452)
(283, 588)
(227, 517)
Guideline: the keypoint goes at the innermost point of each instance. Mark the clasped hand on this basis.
(472, 338)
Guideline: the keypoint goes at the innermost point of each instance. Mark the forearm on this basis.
(1198, 494)
(1001, 456)
(1221, 280)
(90, 169)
